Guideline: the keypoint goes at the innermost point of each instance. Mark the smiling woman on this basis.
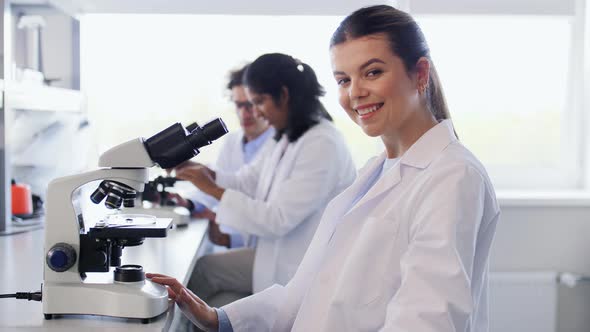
(378, 93)
(406, 246)
(387, 92)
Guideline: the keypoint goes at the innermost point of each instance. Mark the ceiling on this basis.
(238, 7)
(304, 7)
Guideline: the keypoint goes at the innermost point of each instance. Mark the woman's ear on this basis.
(284, 97)
(422, 74)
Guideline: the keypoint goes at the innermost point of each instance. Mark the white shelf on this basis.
(42, 98)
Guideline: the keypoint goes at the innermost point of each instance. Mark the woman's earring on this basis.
(422, 88)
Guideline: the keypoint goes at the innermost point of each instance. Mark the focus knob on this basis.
(61, 257)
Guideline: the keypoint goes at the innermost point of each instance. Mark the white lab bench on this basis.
(21, 269)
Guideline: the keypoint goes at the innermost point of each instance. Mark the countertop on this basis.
(22, 271)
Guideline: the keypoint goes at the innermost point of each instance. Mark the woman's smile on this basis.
(368, 110)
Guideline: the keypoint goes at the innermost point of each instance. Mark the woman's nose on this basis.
(357, 89)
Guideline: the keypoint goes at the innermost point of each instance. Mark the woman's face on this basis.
(374, 87)
(266, 107)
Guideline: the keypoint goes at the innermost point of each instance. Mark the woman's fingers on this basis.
(168, 281)
(172, 283)
(195, 308)
(200, 176)
(186, 164)
(171, 293)
(187, 173)
(184, 175)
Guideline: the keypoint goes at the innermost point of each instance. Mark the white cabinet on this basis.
(26, 103)
(43, 98)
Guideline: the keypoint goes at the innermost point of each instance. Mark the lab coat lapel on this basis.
(340, 205)
(419, 156)
(390, 179)
(270, 172)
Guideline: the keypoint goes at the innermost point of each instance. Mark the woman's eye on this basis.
(341, 81)
(374, 72)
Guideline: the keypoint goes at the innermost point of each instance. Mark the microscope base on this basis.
(143, 299)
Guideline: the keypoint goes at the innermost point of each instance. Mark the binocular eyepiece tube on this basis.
(175, 144)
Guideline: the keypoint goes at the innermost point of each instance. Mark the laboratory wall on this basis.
(533, 249)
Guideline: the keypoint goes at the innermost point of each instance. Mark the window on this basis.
(143, 72)
(508, 83)
(512, 72)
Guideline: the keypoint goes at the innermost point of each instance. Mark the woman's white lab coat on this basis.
(411, 255)
(231, 158)
(281, 198)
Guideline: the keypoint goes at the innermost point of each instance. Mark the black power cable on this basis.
(30, 296)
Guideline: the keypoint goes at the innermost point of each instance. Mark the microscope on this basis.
(73, 254)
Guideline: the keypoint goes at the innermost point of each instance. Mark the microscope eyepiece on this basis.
(174, 145)
(208, 133)
(214, 129)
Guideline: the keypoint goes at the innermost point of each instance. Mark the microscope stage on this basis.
(157, 229)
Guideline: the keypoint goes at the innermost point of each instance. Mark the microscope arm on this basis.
(129, 154)
(61, 225)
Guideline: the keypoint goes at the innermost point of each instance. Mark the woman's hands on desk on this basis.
(201, 176)
(195, 309)
(205, 213)
(217, 236)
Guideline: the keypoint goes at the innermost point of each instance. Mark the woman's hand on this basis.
(178, 200)
(202, 177)
(188, 163)
(206, 213)
(195, 309)
(217, 236)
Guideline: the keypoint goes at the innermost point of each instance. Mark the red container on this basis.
(22, 201)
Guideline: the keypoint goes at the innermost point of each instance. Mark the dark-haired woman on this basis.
(278, 201)
(405, 247)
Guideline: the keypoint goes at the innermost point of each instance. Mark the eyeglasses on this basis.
(246, 105)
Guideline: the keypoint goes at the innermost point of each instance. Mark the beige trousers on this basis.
(223, 277)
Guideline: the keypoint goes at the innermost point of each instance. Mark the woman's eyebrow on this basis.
(363, 66)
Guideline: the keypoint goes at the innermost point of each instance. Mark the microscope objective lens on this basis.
(100, 193)
(113, 201)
